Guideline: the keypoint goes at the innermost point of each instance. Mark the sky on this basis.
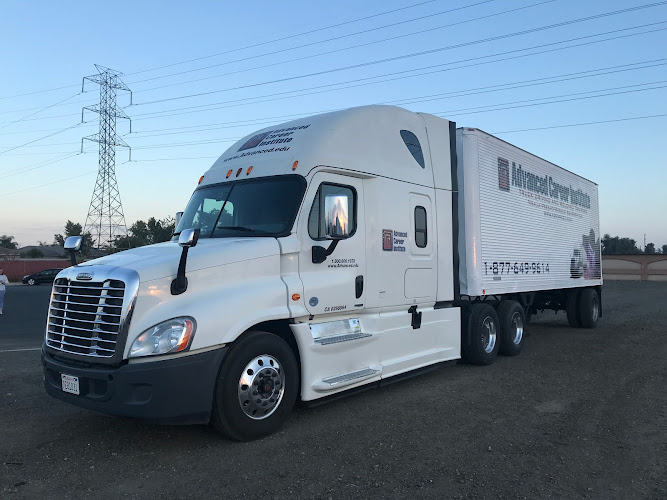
(577, 83)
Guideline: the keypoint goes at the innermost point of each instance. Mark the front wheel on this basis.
(32, 282)
(257, 387)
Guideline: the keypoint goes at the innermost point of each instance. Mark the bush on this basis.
(33, 253)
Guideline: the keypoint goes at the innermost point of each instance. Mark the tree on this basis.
(147, 233)
(75, 229)
(664, 249)
(614, 245)
(650, 249)
(33, 253)
(6, 242)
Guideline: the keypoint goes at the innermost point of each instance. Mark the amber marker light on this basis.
(229, 172)
(238, 172)
(294, 165)
(201, 179)
(295, 297)
(249, 170)
(186, 336)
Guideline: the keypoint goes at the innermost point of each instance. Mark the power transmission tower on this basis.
(105, 220)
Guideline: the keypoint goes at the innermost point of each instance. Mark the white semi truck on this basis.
(323, 255)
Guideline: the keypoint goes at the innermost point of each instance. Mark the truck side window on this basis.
(316, 219)
(412, 143)
(421, 238)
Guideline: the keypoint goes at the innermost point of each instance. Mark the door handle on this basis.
(359, 286)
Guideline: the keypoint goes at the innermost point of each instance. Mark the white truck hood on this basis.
(161, 260)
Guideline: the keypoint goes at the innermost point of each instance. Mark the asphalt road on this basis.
(23, 321)
(579, 414)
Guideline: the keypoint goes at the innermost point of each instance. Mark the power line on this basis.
(52, 106)
(530, 102)
(41, 138)
(38, 92)
(414, 54)
(38, 111)
(320, 54)
(340, 37)
(527, 83)
(209, 107)
(235, 50)
(496, 133)
(419, 99)
(40, 130)
(323, 41)
(493, 88)
(36, 166)
(515, 104)
(50, 183)
(260, 44)
(581, 124)
(455, 112)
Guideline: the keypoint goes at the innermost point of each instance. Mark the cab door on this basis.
(333, 219)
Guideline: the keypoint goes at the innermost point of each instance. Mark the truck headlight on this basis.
(174, 335)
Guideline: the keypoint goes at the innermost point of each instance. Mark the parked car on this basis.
(45, 276)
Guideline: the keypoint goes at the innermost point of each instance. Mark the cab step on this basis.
(332, 383)
(346, 337)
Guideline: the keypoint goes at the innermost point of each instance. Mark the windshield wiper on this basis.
(237, 228)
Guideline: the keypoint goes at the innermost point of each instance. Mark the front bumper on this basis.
(178, 390)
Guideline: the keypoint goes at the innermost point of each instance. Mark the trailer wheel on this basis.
(589, 308)
(512, 327)
(572, 308)
(256, 388)
(480, 347)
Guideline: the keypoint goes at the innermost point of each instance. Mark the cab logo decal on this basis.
(393, 241)
(255, 140)
(313, 301)
(271, 137)
(387, 240)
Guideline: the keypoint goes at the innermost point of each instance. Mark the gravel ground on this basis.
(579, 414)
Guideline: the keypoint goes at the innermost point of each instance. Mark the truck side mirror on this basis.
(177, 218)
(336, 225)
(73, 245)
(186, 240)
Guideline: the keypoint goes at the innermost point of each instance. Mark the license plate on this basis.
(70, 383)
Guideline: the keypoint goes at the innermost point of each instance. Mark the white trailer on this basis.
(320, 256)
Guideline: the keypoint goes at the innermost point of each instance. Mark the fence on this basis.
(635, 267)
(17, 269)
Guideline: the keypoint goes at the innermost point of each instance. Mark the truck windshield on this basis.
(259, 207)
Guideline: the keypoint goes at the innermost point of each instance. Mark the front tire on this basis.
(256, 388)
(32, 282)
(480, 347)
(512, 327)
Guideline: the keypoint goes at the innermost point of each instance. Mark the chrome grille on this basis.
(85, 317)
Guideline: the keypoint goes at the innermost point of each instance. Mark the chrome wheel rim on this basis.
(488, 334)
(596, 309)
(261, 387)
(517, 327)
